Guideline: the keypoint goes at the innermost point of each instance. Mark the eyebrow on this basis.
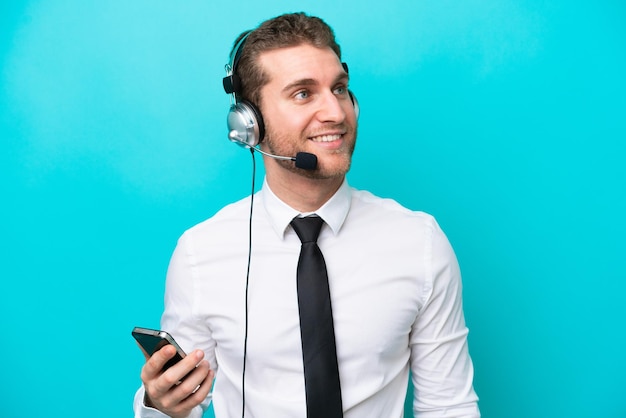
(305, 82)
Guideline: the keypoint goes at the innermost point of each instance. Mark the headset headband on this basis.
(232, 82)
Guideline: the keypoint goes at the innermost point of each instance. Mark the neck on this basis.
(302, 193)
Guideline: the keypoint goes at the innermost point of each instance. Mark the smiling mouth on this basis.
(326, 138)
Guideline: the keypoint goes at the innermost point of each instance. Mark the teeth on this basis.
(326, 138)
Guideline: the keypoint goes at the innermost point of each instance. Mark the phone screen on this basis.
(152, 340)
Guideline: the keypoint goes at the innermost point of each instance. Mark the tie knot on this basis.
(308, 229)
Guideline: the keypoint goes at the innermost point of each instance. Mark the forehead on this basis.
(286, 65)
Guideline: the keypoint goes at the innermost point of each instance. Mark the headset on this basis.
(244, 121)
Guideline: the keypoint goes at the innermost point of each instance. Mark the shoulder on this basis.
(366, 203)
(391, 219)
(230, 218)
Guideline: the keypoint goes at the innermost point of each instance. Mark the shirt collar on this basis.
(333, 212)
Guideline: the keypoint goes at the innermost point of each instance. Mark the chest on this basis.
(375, 296)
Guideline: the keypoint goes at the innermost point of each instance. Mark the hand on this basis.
(179, 389)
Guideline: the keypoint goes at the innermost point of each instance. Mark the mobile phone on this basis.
(152, 340)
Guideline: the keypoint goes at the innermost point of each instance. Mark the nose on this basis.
(331, 108)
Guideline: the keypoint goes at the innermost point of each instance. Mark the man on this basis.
(393, 278)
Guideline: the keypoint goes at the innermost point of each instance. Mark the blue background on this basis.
(505, 119)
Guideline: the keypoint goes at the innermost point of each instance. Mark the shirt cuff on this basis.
(143, 411)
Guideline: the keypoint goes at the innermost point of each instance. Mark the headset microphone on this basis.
(306, 161)
(303, 160)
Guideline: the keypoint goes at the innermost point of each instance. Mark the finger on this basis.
(175, 374)
(154, 364)
(185, 367)
(197, 387)
(194, 379)
(190, 392)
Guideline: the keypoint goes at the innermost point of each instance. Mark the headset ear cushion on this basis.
(259, 119)
(245, 124)
(355, 103)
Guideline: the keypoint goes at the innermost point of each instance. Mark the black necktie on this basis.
(321, 373)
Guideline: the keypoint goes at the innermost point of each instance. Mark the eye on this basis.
(302, 94)
(340, 90)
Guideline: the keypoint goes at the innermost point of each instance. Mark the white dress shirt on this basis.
(396, 295)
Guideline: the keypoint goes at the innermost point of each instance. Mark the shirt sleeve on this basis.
(180, 320)
(142, 411)
(441, 368)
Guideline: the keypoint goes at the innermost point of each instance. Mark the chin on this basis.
(329, 171)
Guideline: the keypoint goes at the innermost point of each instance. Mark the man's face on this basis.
(307, 108)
